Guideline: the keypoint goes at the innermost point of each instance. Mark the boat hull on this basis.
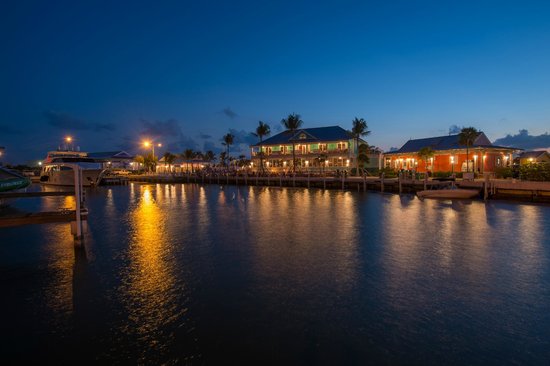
(90, 177)
(448, 193)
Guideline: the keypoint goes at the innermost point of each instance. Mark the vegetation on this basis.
(188, 155)
(228, 141)
(362, 158)
(504, 172)
(262, 130)
(358, 130)
(425, 154)
(535, 172)
(466, 137)
(150, 162)
(169, 159)
(292, 123)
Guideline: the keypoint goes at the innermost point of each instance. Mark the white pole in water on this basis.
(77, 193)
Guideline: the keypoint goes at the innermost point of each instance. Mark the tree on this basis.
(223, 157)
(228, 141)
(169, 159)
(188, 154)
(209, 156)
(262, 130)
(292, 123)
(425, 153)
(139, 159)
(363, 155)
(358, 130)
(150, 161)
(321, 160)
(467, 136)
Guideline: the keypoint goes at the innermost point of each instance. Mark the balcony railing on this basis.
(300, 152)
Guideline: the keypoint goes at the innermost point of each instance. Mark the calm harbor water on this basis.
(217, 275)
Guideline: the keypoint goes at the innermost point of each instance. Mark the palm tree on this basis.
(169, 159)
(292, 123)
(150, 160)
(467, 136)
(209, 156)
(228, 141)
(425, 153)
(262, 130)
(363, 154)
(188, 154)
(223, 158)
(359, 129)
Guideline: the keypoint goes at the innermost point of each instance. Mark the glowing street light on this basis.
(149, 143)
(68, 140)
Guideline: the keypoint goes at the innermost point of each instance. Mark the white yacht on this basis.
(57, 169)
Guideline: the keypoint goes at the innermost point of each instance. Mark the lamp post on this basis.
(149, 143)
(68, 139)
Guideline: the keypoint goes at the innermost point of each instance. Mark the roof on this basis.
(317, 134)
(449, 142)
(110, 155)
(532, 154)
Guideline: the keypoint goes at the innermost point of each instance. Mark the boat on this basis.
(11, 181)
(448, 193)
(57, 169)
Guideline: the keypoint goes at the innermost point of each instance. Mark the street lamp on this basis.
(149, 143)
(68, 139)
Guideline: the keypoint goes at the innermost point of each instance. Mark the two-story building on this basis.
(316, 150)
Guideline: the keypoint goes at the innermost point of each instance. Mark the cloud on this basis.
(392, 149)
(204, 136)
(243, 137)
(454, 129)
(157, 129)
(523, 140)
(168, 132)
(65, 121)
(10, 130)
(229, 113)
(209, 145)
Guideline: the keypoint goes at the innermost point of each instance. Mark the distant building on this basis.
(113, 159)
(317, 149)
(534, 157)
(2, 151)
(181, 165)
(450, 155)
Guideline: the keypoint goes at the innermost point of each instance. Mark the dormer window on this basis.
(302, 136)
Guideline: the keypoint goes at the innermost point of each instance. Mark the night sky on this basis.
(112, 73)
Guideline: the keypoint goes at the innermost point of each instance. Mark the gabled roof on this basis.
(532, 154)
(450, 142)
(110, 154)
(317, 134)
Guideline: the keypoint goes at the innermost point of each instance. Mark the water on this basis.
(188, 274)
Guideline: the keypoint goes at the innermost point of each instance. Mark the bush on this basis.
(535, 172)
(388, 173)
(504, 172)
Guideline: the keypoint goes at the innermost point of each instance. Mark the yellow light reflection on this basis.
(149, 278)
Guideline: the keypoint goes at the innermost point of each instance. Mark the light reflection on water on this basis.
(202, 274)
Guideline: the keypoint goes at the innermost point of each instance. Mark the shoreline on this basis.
(494, 189)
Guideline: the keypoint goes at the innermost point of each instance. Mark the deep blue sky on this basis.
(111, 72)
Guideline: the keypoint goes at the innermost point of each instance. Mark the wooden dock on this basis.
(40, 218)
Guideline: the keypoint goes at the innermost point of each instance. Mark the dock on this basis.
(41, 218)
(489, 189)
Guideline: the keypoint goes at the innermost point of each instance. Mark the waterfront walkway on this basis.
(491, 188)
